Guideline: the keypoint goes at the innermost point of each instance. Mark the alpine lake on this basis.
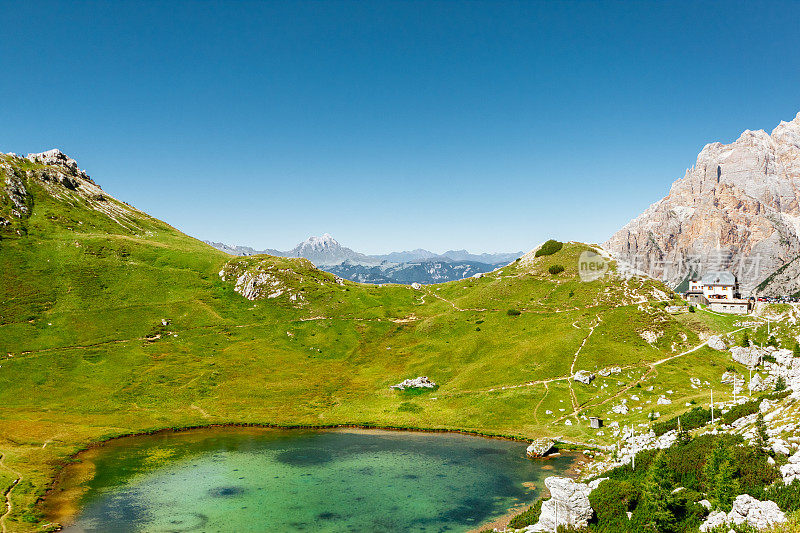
(255, 479)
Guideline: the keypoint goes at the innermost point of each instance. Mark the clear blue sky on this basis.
(487, 126)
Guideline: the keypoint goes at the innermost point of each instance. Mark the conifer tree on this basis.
(762, 438)
(719, 476)
(745, 340)
(653, 514)
(726, 488)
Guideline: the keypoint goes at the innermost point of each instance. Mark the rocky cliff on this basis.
(737, 208)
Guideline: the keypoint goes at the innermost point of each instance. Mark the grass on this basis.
(84, 355)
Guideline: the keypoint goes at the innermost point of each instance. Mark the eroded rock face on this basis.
(717, 343)
(737, 209)
(57, 157)
(568, 505)
(751, 356)
(791, 470)
(746, 510)
(583, 376)
(60, 177)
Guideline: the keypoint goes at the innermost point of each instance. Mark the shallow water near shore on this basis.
(250, 479)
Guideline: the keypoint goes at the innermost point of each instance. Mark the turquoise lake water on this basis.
(240, 480)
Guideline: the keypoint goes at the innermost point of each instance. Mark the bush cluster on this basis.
(738, 411)
(549, 248)
(555, 269)
(527, 518)
(663, 491)
(695, 418)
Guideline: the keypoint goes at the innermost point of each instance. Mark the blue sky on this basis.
(393, 125)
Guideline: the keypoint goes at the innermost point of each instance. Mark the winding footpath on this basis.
(8, 504)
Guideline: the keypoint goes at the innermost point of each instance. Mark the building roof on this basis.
(719, 278)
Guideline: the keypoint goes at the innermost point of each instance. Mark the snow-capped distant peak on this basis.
(320, 243)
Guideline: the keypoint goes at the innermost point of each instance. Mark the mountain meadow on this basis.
(114, 323)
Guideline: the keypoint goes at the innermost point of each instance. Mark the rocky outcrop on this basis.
(717, 343)
(746, 510)
(568, 506)
(421, 382)
(757, 384)
(609, 371)
(61, 178)
(737, 209)
(263, 279)
(791, 470)
(750, 356)
(58, 158)
(583, 376)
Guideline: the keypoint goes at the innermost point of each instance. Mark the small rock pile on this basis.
(421, 382)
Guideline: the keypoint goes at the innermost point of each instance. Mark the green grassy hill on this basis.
(113, 322)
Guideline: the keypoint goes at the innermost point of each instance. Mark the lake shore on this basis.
(61, 503)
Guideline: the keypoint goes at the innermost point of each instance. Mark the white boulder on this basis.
(746, 510)
(750, 356)
(539, 448)
(757, 384)
(583, 376)
(621, 409)
(791, 470)
(568, 506)
(421, 382)
(780, 446)
(717, 343)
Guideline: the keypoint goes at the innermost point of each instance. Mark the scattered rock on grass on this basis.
(421, 382)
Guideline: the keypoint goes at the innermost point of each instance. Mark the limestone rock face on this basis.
(57, 157)
(583, 376)
(750, 356)
(746, 510)
(568, 505)
(737, 209)
(791, 470)
(716, 343)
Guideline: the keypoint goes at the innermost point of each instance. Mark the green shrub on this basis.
(772, 341)
(786, 496)
(555, 269)
(691, 309)
(611, 500)
(529, 517)
(777, 395)
(513, 312)
(738, 411)
(549, 248)
(693, 419)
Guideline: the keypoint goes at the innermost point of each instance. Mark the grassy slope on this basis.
(81, 294)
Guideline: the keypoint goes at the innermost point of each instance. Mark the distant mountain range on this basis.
(415, 266)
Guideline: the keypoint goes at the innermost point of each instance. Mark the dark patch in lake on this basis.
(226, 492)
